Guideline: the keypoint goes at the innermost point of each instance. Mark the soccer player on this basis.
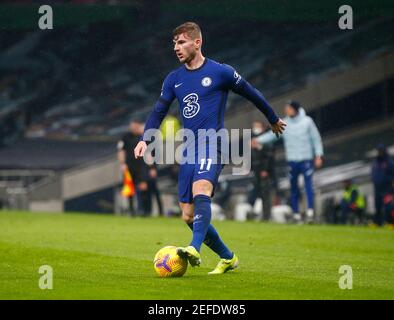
(201, 87)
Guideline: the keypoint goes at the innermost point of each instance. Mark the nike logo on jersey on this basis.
(178, 84)
(199, 172)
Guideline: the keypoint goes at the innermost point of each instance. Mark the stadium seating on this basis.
(109, 72)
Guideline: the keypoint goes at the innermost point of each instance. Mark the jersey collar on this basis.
(200, 67)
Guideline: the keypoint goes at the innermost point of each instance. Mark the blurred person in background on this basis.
(223, 195)
(139, 170)
(353, 202)
(388, 201)
(154, 190)
(304, 151)
(382, 178)
(128, 190)
(169, 127)
(263, 161)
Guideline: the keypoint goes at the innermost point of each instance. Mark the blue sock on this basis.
(202, 219)
(213, 241)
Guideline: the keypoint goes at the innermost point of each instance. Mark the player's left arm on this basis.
(242, 87)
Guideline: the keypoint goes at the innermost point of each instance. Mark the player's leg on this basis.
(185, 184)
(202, 191)
(204, 183)
(212, 239)
(199, 191)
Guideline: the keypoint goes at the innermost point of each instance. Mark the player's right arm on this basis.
(158, 113)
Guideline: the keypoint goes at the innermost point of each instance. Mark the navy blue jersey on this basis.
(201, 93)
(202, 96)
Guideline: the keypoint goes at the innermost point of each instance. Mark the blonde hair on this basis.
(192, 29)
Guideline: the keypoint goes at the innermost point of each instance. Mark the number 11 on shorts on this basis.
(208, 166)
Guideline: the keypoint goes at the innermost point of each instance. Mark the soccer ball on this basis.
(167, 263)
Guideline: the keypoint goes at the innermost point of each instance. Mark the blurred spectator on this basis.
(388, 201)
(304, 151)
(170, 127)
(138, 168)
(263, 160)
(329, 209)
(128, 190)
(382, 178)
(154, 190)
(173, 174)
(353, 203)
(223, 194)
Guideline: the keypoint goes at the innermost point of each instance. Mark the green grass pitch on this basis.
(109, 257)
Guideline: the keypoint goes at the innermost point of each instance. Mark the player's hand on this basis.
(124, 167)
(318, 162)
(140, 149)
(278, 127)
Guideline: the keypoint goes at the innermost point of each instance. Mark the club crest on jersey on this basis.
(192, 106)
(206, 82)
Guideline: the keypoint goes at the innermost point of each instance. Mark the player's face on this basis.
(185, 48)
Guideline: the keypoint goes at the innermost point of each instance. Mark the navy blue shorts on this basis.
(205, 169)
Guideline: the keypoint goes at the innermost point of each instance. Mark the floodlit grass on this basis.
(109, 257)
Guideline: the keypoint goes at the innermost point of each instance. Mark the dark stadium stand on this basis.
(53, 154)
(111, 71)
(66, 95)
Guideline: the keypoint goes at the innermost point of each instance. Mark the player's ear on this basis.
(198, 43)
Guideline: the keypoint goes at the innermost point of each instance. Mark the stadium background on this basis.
(67, 94)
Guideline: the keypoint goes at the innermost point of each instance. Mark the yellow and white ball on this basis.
(167, 263)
